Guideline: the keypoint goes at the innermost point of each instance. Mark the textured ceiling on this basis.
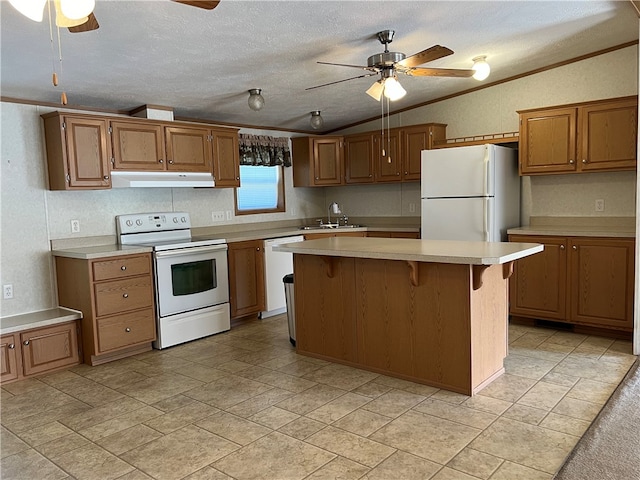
(202, 63)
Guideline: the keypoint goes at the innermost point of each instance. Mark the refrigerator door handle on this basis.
(485, 222)
(486, 171)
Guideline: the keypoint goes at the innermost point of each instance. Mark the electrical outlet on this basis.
(7, 291)
(412, 208)
(229, 215)
(600, 205)
(75, 226)
(217, 216)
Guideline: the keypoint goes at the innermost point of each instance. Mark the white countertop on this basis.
(435, 251)
(42, 318)
(574, 231)
(100, 251)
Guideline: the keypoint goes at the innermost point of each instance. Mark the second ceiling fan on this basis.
(387, 64)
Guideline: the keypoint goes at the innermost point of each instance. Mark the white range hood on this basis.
(120, 179)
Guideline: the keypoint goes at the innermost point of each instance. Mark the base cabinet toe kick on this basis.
(437, 323)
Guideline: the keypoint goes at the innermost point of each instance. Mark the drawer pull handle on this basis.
(11, 346)
(125, 295)
(123, 268)
(26, 343)
(127, 329)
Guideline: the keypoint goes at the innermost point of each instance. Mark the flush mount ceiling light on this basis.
(316, 120)
(256, 100)
(481, 67)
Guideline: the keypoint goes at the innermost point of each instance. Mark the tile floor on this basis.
(244, 405)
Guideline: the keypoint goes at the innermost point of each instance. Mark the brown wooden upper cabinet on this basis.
(78, 151)
(415, 139)
(359, 159)
(317, 161)
(386, 154)
(226, 157)
(585, 137)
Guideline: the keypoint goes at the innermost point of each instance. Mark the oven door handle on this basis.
(191, 250)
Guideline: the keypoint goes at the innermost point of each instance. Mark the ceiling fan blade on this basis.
(438, 72)
(428, 55)
(207, 5)
(340, 81)
(89, 25)
(362, 67)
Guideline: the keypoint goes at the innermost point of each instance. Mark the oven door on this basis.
(191, 278)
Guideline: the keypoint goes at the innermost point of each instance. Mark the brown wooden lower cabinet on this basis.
(39, 350)
(246, 278)
(577, 280)
(386, 234)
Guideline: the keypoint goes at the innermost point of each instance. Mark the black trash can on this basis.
(291, 314)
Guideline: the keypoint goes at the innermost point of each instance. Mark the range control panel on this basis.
(152, 222)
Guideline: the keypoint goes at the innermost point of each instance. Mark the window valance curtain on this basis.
(264, 150)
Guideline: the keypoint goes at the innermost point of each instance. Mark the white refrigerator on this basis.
(469, 193)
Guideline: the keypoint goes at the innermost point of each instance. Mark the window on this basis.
(261, 190)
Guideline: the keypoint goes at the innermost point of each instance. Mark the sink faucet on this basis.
(335, 208)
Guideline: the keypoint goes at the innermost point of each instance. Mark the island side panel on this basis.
(325, 307)
(420, 332)
(489, 325)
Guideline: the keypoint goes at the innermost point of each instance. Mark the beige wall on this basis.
(493, 110)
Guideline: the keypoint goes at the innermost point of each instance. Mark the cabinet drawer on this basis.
(119, 267)
(123, 295)
(124, 330)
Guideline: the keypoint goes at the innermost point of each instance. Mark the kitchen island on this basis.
(433, 312)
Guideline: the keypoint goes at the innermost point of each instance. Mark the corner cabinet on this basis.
(78, 152)
(115, 296)
(579, 280)
(586, 137)
(317, 161)
(246, 278)
(38, 350)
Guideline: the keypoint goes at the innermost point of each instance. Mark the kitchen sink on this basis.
(329, 226)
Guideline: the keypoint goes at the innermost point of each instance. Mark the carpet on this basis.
(610, 448)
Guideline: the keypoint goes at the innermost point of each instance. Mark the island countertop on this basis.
(437, 251)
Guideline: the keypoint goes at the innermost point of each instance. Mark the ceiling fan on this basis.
(78, 16)
(387, 64)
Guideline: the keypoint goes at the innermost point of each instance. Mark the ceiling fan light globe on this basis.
(393, 90)
(77, 9)
(375, 90)
(481, 68)
(316, 120)
(63, 21)
(32, 9)
(256, 100)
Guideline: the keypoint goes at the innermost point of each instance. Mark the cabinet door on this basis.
(609, 136)
(137, 146)
(537, 287)
(358, 162)
(88, 153)
(49, 348)
(386, 152)
(9, 358)
(188, 149)
(602, 282)
(246, 278)
(414, 140)
(548, 141)
(226, 158)
(327, 161)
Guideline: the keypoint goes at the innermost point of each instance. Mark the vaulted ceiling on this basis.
(202, 63)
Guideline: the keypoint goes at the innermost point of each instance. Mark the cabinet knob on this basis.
(317, 178)
(584, 160)
(160, 161)
(125, 295)
(11, 346)
(406, 173)
(170, 162)
(370, 176)
(26, 343)
(258, 249)
(237, 178)
(123, 268)
(106, 177)
(397, 173)
(574, 247)
(127, 329)
(561, 247)
(571, 161)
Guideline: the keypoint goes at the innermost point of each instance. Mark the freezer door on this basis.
(469, 219)
(458, 172)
